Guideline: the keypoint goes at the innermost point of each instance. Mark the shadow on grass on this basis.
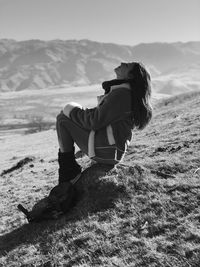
(97, 191)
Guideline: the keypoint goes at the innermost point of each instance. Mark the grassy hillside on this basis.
(144, 212)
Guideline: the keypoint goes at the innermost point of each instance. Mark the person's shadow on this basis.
(97, 190)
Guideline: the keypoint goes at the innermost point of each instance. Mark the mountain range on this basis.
(37, 64)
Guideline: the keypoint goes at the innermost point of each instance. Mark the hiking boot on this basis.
(69, 169)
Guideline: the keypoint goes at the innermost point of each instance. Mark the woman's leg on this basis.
(69, 133)
(66, 143)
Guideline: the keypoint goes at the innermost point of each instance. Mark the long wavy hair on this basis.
(140, 82)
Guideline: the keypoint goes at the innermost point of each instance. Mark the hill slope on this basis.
(145, 212)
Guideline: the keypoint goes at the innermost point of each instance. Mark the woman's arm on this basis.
(114, 107)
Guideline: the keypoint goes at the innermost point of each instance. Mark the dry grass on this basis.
(144, 212)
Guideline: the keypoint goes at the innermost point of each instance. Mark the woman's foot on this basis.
(69, 169)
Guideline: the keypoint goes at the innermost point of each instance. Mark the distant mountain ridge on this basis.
(36, 64)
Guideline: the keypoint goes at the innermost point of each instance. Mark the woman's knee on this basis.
(63, 121)
(61, 116)
(69, 107)
(59, 119)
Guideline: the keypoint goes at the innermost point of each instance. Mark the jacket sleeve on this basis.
(113, 108)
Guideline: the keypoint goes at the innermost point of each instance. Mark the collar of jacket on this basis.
(123, 85)
(113, 87)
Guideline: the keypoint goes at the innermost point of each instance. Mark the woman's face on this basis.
(122, 71)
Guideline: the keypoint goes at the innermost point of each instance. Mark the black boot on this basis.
(68, 167)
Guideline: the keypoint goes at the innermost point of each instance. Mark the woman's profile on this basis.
(105, 131)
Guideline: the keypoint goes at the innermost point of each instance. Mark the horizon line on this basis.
(94, 41)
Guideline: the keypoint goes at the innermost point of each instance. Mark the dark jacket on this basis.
(110, 124)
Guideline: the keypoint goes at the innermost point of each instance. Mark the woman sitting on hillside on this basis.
(104, 132)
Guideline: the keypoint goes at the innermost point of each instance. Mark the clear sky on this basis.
(117, 21)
